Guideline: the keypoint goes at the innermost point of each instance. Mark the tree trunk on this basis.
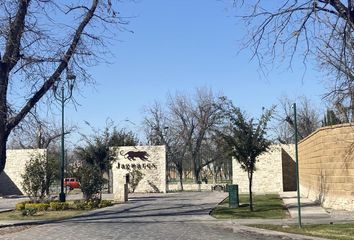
(215, 177)
(48, 176)
(180, 173)
(197, 169)
(109, 181)
(250, 176)
(352, 104)
(3, 140)
(194, 170)
(196, 174)
(3, 114)
(86, 196)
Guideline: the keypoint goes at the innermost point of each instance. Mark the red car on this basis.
(71, 183)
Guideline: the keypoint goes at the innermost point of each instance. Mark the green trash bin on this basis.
(233, 196)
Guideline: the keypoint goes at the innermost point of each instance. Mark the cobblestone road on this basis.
(158, 216)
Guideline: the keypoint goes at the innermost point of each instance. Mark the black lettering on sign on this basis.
(139, 166)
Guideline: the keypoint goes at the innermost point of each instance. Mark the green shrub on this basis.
(92, 203)
(56, 206)
(37, 206)
(105, 203)
(91, 180)
(79, 205)
(21, 205)
(39, 174)
(29, 211)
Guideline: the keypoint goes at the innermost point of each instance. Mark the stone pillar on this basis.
(121, 190)
(149, 161)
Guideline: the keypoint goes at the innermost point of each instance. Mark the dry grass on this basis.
(46, 215)
(268, 206)
(329, 231)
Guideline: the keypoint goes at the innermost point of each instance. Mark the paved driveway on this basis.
(10, 202)
(150, 216)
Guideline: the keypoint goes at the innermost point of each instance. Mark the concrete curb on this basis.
(5, 210)
(22, 223)
(48, 221)
(241, 228)
(274, 233)
(291, 221)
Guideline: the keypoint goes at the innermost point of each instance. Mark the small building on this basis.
(275, 171)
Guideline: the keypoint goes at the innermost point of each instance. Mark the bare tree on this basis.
(156, 123)
(190, 122)
(338, 63)
(40, 41)
(218, 153)
(308, 120)
(318, 28)
(180, 107)
(35, 132)
(199, 118)
(162, 127)
(330, 118)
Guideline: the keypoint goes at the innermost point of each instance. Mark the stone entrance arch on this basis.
(150, 161)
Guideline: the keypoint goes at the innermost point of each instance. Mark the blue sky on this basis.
(179, 45)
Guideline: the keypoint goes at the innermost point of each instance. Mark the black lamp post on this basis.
(62, 96)
(297, 167)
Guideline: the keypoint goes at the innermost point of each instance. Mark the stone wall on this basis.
(326, 166)
(288, 168)
(149, 160)
(191, 186)
(10, 178)
(274, 171)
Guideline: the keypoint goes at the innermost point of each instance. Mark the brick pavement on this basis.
(151, 216)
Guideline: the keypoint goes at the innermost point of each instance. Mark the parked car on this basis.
(71, 183)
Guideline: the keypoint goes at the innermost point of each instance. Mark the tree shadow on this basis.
(146, 208)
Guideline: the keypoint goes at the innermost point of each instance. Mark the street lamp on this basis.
(62, 96)
(297, 167)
